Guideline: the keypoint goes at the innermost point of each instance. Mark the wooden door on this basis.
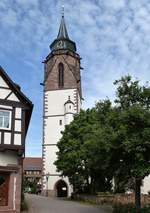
(4, 188)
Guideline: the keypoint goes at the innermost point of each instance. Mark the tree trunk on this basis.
(88, 185)
(138, 195)
(91, 185)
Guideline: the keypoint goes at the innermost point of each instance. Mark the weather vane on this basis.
(62, 8)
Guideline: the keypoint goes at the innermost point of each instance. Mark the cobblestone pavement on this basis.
(39, 204)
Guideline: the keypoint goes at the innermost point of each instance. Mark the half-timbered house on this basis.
(15, 114)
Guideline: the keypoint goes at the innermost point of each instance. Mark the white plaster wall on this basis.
(17, 139)
(68, 118)
(7, 138)
(55, 110)
(3, 83)
(53, 129)
(56, 99)
(18, 113)
(13, 97)
(18, 125)
(4, 93)
(146, 185)
(50, 157)
(8, 157)
(69, 108)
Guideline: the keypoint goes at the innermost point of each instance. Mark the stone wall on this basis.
(111, 199)
(130, 198)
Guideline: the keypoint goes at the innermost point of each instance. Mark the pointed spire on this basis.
(63, 42)
(62, 29)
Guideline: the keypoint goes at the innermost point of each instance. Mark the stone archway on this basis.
(61, 189)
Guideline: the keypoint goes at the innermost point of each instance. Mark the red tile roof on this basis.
(34, 164)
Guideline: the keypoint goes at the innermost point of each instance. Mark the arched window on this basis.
(61, 75)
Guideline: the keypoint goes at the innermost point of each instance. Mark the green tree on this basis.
(133, 129)
(109, 141)
(83, 151)
(72, 161)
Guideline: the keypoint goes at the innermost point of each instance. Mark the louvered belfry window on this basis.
(61, 75)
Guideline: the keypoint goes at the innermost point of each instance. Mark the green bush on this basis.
(24, 205)
(146, 209)
(129, 208)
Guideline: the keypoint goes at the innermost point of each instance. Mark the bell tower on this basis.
(62, 100)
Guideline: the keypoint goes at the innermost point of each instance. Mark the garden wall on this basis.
(111, 199)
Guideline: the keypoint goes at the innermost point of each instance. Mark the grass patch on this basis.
(129, 208)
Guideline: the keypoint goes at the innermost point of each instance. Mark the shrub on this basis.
(24, 205)
(129, 208)
(146, 209)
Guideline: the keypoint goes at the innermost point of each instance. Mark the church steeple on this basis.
(62, 100)
(62, 29)
(63, 42)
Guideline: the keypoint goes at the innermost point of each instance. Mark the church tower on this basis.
(62, 100)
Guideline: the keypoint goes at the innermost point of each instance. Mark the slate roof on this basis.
(63, 36)
(62, 30)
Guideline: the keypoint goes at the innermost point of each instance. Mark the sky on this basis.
(112, 37)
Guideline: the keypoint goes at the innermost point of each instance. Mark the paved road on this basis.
(38, 204)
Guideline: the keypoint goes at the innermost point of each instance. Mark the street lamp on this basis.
(47, 177)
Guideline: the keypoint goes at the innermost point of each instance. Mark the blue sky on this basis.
(112, 37)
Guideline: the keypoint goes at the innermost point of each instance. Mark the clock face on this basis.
(60, 44)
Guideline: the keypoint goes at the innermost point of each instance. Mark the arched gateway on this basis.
(61, 189)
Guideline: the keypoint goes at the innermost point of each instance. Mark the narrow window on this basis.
(60, 122)
(61, 75)
(4, 119)
(70, 107)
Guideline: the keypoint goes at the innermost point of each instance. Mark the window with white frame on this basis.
(5, 119)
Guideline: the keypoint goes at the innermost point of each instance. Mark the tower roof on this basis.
(63, 42)
(62, 29)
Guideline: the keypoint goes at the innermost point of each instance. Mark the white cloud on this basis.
(112, 37)
(114, 4)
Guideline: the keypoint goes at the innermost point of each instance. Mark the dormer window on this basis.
(5, 119)
(61, 75)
